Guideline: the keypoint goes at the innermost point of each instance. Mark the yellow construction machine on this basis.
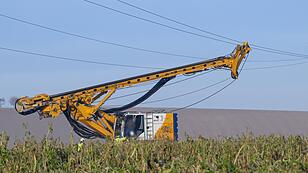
(82, 107)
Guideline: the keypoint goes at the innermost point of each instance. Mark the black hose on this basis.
(154, 89)
(80, 129)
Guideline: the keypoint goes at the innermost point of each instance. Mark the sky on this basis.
(276, 24)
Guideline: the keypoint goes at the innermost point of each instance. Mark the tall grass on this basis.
(243, 154)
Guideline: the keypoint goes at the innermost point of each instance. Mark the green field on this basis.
(242, 154)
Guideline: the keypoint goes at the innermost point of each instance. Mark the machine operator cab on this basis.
(146, 126)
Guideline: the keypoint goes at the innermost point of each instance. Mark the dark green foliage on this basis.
(243, 154)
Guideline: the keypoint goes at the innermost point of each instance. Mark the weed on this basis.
(241, 154)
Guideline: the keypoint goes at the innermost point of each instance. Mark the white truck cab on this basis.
(147, 126)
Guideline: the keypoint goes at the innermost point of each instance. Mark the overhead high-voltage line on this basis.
(139, 92)
(144, 67)
(97, 40)
(101, 63)
(278, 60)
(276, 66)
(177, 22)
(208, 32)
(157, 23)
(124, 65)
(113, 43)
(126, 46)
(77, 60)
(230, 40)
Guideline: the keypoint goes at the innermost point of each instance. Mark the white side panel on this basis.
(158, 120)
(152, 122)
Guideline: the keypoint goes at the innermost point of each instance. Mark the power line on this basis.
(178, 22)
(111, 64)
(276, 66)
(277, 51)
(102, 41)
(260, 48)
(231, 41)
(98, 40)
(277, 60)
(157, 23)
(280, 53)
(257, 47)
(124, 65)
(77, 60)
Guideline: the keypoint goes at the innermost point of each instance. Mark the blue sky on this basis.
(276, 24)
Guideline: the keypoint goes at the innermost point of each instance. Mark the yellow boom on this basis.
(79, 105)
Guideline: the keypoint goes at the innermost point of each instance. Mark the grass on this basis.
(242, 154)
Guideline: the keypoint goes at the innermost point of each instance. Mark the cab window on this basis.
(134, 125)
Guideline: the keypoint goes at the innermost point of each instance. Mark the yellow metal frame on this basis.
(81, 101)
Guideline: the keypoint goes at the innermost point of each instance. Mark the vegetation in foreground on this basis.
(243, 154)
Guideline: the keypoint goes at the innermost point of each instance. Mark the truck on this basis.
(147, 126)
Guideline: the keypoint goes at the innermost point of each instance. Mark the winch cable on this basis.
(206, 98)
(213, 94)
(188, 93)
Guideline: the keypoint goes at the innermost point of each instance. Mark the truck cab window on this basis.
(134, 125)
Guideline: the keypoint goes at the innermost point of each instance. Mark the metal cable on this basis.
(190, 105)
(215, 93)
(188, 93)
(277, 60)
(257, 47)
(106, 42)
(178, 22)
(97, 40)
(157, 23)
(276, 66)
(78, 60)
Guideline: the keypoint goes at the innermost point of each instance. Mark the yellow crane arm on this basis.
(79, 103)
